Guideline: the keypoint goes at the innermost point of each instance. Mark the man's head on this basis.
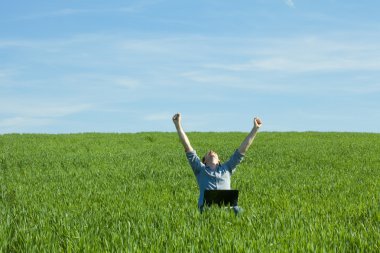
(211, 158)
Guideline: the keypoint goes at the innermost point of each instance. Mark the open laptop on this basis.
(221, 197)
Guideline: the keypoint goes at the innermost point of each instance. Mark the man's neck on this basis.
(212, 165)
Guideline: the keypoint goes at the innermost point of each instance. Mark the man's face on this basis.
(211, 157)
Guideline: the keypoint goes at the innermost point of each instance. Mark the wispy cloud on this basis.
(53, 44)
(200, 77)
(30, 109)
(127, 82)
(301, 64)
(160, 116)
(106, 80)
(241, 62)
(21, 115)
(290, 3)
(133, 8)
(25, 122)
(308, 55)
(6, 73)
(72, 11)
(66, 12)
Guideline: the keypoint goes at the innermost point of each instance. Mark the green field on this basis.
(136, 193)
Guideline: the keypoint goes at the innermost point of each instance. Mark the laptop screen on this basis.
(221, 197)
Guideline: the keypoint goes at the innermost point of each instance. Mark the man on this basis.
(210, 173)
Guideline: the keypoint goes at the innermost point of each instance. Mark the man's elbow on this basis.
(242, 151)
(188, 149)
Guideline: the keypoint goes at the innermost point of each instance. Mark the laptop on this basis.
(221, 197)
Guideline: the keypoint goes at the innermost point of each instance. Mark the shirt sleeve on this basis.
(194, 161)
(234, 161)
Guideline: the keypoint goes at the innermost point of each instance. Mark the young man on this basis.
(210, 173)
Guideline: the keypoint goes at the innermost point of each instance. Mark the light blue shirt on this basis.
(213, 179)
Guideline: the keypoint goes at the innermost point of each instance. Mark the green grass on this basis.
(136, 193)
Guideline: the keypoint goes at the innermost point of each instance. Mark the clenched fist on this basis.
(257, 123)
(177, 118)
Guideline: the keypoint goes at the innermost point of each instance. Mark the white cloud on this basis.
(68, 11)
(23, 115)
(79, 41)
(127, 82)
(308, 55)
(24, 122)
(160, 116)
(32, 109)
(300, 64)
(101, 80)
(5, 74)
(71, 11)
(134, 8)
(200, 77)
(289, 3)
(158, 63)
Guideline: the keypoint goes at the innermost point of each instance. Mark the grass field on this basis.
(136, 193)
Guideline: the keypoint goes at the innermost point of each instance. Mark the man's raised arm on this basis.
(249, 139)
(181, 133)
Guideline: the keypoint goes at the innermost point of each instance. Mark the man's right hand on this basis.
(182, 135)
(177, 118)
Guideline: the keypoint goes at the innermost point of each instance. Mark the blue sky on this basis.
(128, 66)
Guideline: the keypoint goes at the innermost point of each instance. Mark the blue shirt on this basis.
(213, 179)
